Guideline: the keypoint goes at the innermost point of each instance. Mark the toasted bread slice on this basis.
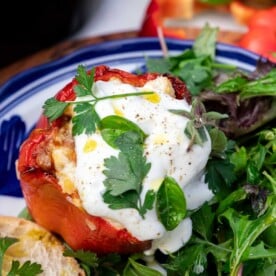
(37, 245)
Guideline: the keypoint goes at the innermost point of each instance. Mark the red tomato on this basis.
(264, 18)
(261, 40)
(261, 35)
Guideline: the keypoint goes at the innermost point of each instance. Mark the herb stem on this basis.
(213, 245)
(96, 99)
(223, 66)
(125, 95)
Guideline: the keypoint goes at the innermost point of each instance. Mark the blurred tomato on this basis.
(261, 35)
(264, 18)
(260, 40)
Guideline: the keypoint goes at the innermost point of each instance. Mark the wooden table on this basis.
(69, 46)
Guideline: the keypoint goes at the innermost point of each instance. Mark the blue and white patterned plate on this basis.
(22, 97)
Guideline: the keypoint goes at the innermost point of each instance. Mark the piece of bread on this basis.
(35, 245)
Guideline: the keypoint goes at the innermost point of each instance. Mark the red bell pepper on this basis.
(54, 209)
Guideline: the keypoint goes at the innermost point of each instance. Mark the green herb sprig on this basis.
(198, 119)
(86, 119)
(125, 173)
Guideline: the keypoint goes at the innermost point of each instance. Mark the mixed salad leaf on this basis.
(234, 233)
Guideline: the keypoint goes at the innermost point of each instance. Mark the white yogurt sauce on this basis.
(165, 148)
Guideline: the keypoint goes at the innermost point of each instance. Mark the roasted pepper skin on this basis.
(51, 207)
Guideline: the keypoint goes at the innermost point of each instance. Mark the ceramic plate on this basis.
(22, 97)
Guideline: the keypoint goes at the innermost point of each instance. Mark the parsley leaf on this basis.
(127, 171)
(26, 268)
(128, 199)
(246, 231)
(85, 257)
(94, 264)
(85, 80)
(5, 243)
(53, 108)
(125, 174)
(86, 119)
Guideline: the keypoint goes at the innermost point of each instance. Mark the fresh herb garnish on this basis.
(27, 268)
(125, 173)
(198, 119)
(195, 66)
(112, 127)
(86, 119)
(170, 203)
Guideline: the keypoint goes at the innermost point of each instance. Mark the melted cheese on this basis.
(165, 148)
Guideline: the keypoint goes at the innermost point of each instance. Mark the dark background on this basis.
(27, 26)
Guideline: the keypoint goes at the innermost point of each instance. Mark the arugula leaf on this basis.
(231, 85)
(246, 231)
(264, 86)
(170, 203)
(259, 251)
(53, 108)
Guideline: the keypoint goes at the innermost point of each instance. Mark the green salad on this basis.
(235, 232)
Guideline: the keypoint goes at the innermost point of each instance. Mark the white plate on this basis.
(22, 97)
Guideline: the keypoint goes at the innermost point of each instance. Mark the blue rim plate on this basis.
(22, 97)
